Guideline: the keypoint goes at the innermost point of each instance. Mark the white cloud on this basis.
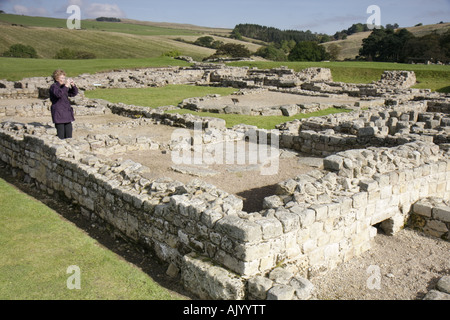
(29, 11)
(95, 10)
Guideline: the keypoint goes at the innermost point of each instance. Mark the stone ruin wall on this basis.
(314, 221)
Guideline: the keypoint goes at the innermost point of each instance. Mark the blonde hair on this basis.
(57, 73)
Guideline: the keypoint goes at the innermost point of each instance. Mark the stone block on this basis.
(443, 284)
(423, 208)
(258, 287)
(368, 185)
(239, 229)
(333, 163)
(280, 292)
(280, 276)
(209, 281)
(441, 213)
(436, 295)
(304, 289)
(307, 218)
(359, 200)
(289, 221)
(271, 228)
(272, 202)
(290, 110)
(367, 131)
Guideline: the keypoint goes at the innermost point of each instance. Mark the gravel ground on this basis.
(404, 267)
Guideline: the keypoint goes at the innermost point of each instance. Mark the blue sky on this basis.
(318, 16)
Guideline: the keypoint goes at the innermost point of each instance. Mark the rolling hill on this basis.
(350, 46)
(108, 40)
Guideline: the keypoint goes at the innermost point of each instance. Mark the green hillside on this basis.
(107, 40)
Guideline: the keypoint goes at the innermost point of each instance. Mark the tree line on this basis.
(402, 46)
(271, 34)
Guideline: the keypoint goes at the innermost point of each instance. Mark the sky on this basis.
(321, 16)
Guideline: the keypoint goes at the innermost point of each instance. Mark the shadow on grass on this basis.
(444, 89)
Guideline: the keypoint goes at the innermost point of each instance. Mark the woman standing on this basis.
(62, 112)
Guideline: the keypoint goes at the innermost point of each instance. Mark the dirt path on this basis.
(400, 267)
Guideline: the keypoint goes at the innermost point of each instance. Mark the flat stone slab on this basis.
(311, 161)
(195, 171)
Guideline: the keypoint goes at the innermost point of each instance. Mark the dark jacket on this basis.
(61, 110)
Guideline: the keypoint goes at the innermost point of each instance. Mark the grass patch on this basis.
(37, 246)
(174, 94)
(262, 122)
(434, 77)
(156, 97)
(14, 69)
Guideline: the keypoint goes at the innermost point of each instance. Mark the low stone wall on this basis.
(432, 216)
(313, 222)
(363, 128)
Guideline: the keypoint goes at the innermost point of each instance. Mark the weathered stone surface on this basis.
(436, 295)
(280, 292)
(443, 284)
(304, 289)
(209, 281)
(258, 287)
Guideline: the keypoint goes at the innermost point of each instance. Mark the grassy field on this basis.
(174, 94)
(37, 246)
(156, 97)
(121, 27)
(263, 122)
(107, 40)
(14, 69)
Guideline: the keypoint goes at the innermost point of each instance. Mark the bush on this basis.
(308, 51)
(172, 54)
(271, 53)
(208, 42)
(20, 51)
(232, 50)
(70, 54)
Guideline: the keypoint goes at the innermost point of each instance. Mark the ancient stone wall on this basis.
(378, 164)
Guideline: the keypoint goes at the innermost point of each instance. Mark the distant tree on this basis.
(308, 51)
(235, 34)
(20, 51)
(402, 46)
(286, 45)
(232, 50)
(273, 35)
(271, 53)
(108, 19)
(392, 26)
(205, 41)
(208, 42)
(333, 51)
(385, 45)
(431, 47)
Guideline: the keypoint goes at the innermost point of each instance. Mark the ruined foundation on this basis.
(379, 166)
